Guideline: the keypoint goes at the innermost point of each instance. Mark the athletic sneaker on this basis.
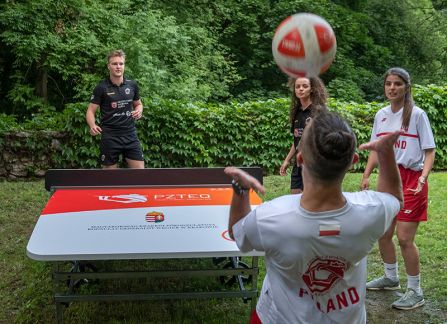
(383, 283)
(411, 299)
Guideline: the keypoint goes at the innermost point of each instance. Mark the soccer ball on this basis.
(304, 45)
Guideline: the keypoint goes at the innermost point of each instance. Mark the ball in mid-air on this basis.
(304, 45)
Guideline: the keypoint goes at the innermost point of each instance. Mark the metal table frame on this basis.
(63, 297)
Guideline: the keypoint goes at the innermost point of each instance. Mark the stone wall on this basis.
(28, 154)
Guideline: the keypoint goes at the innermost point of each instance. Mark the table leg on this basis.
(59, 312)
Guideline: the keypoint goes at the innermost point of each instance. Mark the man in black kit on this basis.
(120, 105)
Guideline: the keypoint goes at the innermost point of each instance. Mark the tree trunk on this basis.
(42, 80)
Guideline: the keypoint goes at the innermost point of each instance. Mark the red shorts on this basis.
(415, 206)
(254, 319)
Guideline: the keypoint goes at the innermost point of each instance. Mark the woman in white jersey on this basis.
(415, 154)
(309, 96)
(316, 242)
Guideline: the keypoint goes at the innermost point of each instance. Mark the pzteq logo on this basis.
(125, 199)
(181, 196)
(323, 273)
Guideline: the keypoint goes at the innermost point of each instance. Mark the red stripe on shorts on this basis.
(254, 319)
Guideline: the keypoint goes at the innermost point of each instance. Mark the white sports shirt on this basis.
(409, 148)
(316, 262)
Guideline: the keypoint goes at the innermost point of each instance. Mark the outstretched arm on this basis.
(370, 166)
(389, 178)
(240, 204)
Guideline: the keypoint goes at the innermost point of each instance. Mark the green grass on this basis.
(26, 288)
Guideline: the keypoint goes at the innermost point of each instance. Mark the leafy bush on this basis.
(433, 99)
(345, 90)
(8, 122)
(361, 119)
(182, 134)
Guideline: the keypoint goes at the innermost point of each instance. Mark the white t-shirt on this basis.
(316, 262)
(409, 148)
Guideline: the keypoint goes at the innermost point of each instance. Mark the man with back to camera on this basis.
(316, 242)
(120, 105)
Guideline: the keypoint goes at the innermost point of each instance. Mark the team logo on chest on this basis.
(127, 91)
(323, 273)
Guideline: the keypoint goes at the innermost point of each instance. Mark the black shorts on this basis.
(296, 179)
(113, 146)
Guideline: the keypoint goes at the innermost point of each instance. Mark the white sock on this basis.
(414, 282)
(391, 271)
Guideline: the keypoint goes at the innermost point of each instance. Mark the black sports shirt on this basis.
(299, 122)
(116, 105)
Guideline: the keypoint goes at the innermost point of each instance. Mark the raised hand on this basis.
(381, 144)
(244, 179)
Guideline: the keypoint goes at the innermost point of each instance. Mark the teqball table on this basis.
(140, 214)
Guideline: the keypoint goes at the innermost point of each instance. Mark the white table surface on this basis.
(112, 223)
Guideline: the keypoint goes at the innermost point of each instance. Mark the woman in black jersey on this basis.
(309, 96)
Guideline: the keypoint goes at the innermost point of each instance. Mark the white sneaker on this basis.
(410, 300)
(383, 283)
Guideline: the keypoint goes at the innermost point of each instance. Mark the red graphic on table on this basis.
(70, 200)
(155, 217)
(226, 235)
(124, 199)
(323, 273)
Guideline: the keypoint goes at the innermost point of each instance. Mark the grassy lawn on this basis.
(26, 288)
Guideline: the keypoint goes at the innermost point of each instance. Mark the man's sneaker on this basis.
(383, 283)
(411, 299)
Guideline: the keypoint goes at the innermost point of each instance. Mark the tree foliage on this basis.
(58, 51)
(52, 52)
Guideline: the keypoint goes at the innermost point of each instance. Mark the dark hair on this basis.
(318, 96)
(408, 98)
(114, 53)
(328, 146)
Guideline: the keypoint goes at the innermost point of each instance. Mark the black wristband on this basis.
(238, 189)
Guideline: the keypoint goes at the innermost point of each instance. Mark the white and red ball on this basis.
(304, 45)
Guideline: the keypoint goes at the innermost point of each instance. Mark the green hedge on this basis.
(182, 134)
(433, 99)
(361, 118)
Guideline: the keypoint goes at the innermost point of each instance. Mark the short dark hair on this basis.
(114, 53)
(328, 146)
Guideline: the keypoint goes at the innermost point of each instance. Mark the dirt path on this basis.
(378, 305)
